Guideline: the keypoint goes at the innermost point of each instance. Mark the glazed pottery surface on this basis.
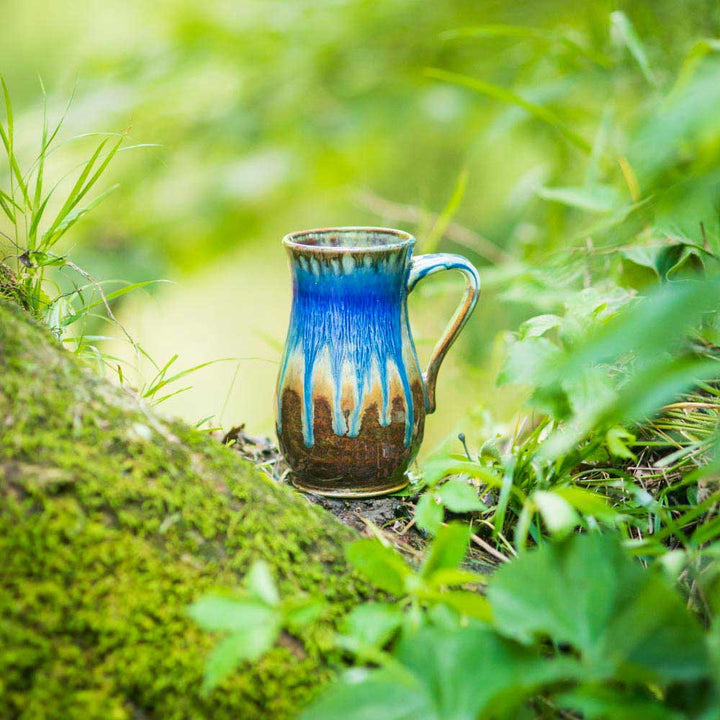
(351, 398)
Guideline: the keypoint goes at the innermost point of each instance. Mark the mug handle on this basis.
(422, 266)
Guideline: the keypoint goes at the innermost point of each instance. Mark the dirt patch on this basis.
(391, 514)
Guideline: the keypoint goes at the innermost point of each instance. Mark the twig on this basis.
(489, 548)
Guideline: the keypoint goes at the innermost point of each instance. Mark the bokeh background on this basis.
(516, 133)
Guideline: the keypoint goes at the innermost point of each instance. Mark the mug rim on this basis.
(404, 239)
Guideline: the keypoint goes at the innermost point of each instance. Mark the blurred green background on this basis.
(540, 139)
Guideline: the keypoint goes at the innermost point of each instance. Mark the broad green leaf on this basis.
(537, 326)
(588, 502)
(588, 593)
(557, 513)
(466, 602)
(373, 623)
(447, 550)
(373, 694)
(445, 674)
(299, 614)
(460, 497)
(429, 513)
(673, 307)
(456, 576)
(527, 361)
(605, 703)
(259, 582)
(218, 613)
(597, 198)
(441, 466)
(382, 566)
(665, 261)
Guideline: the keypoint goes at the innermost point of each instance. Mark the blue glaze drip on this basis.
(356, 311)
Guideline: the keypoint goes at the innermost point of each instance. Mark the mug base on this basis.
(309, 486)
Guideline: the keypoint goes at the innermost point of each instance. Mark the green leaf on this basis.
(218, 613)
(537, 326)
(444, 674)
(467, 603)
(441, 466)
(373, 624)
(429, 513)
(524, 32)
(600, 703)
(557, 513)
(369, 695)
(624, 33)
(617, 439)
(382, 566)
(527, 361)
(246, 646)
(665, 261)
(588, 502)
(456, 576)
(596, 198)
(300, 614)
(588, 593)
(447, 550)
(697, 52)
(460, 497)
(259, 582)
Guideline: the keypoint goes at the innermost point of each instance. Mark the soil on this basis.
(391, 514)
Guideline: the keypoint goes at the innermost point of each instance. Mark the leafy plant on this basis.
(455, 494)
(593, 387)
(576, 625)
(252, 622)
(39, 219)
(415, 591)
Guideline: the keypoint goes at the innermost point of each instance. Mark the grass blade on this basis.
(76, 190)
(106, 297)
(523, 32)
(5, 202)
(41, 156)
(74, 216)
(166, 381)
(624, 32)
(508, 96)
(446, 216)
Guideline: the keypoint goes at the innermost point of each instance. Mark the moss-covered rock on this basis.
(111, 522)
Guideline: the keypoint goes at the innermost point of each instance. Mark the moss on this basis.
(111, 522)
(9, 287)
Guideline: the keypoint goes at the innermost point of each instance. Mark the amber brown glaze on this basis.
(373, 463)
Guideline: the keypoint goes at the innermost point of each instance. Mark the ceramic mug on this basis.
(351, 398)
